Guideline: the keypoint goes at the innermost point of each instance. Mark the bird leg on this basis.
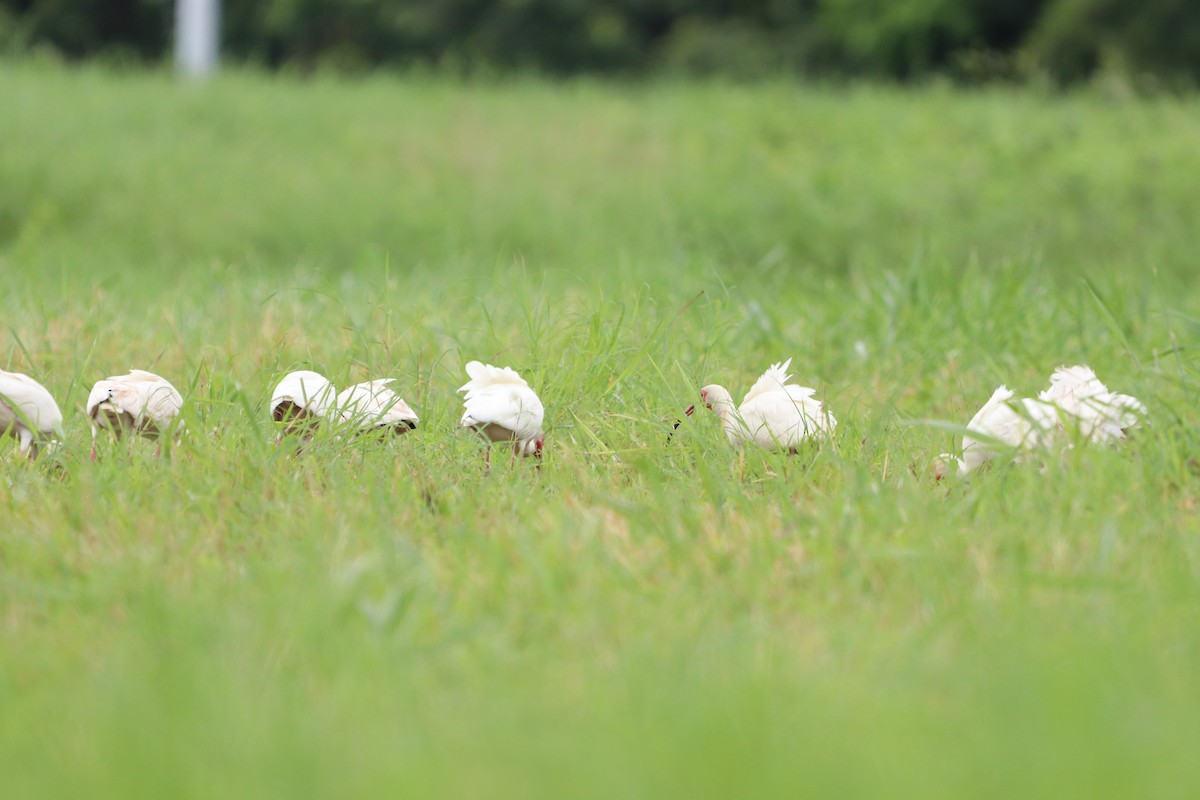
(487, 460)
(27, 444)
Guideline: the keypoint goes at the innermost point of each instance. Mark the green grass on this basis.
(638, 619)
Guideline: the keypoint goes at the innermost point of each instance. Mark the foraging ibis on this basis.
(140, 402)
(1076, 401)
(27, 412)
(301, 399)
(374, 405)
(1004, 424)
(1102, 416)
(501, 407)
(775, 414)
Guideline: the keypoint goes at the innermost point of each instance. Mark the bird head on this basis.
(716, 398)
(530, 447)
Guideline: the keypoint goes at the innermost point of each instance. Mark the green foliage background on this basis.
(970, 40)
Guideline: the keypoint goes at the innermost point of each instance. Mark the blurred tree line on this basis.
(1066, 40)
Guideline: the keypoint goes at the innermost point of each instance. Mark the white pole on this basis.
(196, 37)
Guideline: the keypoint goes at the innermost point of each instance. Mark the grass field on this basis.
(379, 618)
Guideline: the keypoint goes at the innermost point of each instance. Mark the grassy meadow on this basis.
(639, 619)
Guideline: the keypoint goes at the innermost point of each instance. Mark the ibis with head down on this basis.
(374, 406)
(301, 400)
(28, 413)
(141, 403)
(501, 407)
(1075, 403)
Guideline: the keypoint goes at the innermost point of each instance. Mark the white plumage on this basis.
(27, 412)
(1102, 416)
(302, 398)
(501, 407)
(1075, 403)
(775, 414)
(374, 405)
(141, 402)
(1002, 425)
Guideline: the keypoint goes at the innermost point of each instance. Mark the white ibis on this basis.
(301, 400)
(1006, 425)
(1102, 416)
(372, 405)
(775, 414)
(1075, 401)
(500, 407)
(140, 402)
(28, 413)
